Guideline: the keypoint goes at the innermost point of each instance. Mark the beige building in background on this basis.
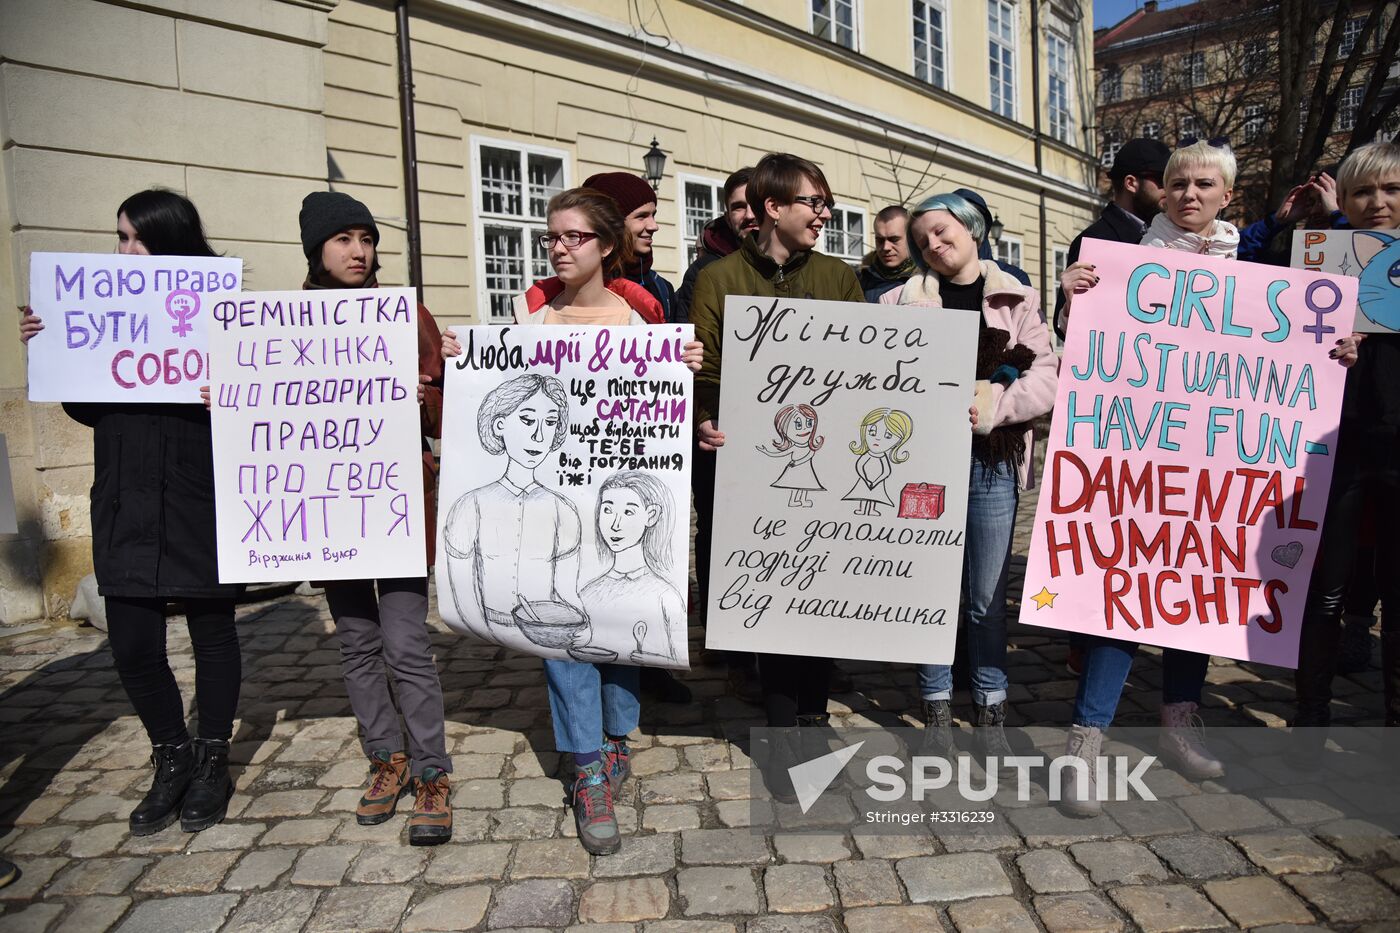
(245, 105)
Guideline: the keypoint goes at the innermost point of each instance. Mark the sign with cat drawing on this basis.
(841, 491)
(1372, 256)
(564, 496)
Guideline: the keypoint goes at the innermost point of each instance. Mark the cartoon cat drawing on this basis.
(1379, 292)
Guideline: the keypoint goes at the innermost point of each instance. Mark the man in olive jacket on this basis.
(792, 201)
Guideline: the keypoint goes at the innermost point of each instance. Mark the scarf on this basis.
(1224, 240)
(899, 273)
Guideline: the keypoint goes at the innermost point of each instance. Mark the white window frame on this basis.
(1256, 57)
(1254, 125)
(1111, 85)
(1158, 74)
(941, 7)
(1010, 249)
(1059, 261)
(855, 24)
(992, 101)
(481, 220)
(1058, 33)
(1151, 129)
(1186, 126)
(1351, 31)
(686, 242)
(848, 209)
(1346, 114)
(1195, 68)
(1113, 140)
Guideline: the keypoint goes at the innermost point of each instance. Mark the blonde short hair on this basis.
(1202, 153)
(1373, 162)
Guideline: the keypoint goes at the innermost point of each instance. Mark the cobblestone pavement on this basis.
(291, 857)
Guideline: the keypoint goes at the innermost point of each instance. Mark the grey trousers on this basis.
(392, 629)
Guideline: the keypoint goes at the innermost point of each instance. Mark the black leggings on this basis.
(793, 686)
(136, 630)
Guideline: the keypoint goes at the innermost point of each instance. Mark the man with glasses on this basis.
(720, 237)
(1135, 197)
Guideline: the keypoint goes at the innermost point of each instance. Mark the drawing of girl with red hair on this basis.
(798, 440)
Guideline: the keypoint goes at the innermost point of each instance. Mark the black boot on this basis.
(1318, 645)
(937, 737)
(782, 753)
(207, 800)
(990, 733)
(161, 806)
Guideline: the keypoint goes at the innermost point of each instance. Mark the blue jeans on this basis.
(1106, 666)
(588, 700)
(992, 497)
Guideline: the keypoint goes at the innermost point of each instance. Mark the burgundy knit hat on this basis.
(629, 191)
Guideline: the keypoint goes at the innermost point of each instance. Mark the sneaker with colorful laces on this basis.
(431, 822)
(593, 810)
(388, 781)
(617, 763)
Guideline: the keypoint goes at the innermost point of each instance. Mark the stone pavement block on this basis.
(1199, 856)
(550, 858)
(460, 864)
(458, 909)
(284, 803)
(717, 891)
(888, 919)
(625, 901)
(1148, 817)
(671, 817)
(1227, 813)
(1356, 839)
(895, 845)
(260, 869)
(1390, 876)
(308, 832)
(1047, 826)
(478, 766)
(1348, 897)
(388, 865)
(730, 785)
(96, 876)
(681, 787)
(226, 836)
(344, 774)
(688, 926)
(199, 873)
(656, 760)
(1050, 871)
(93, 841)
(796, 889)
(479, 794)
(1282, 851)
(640, 855)
(93, 915)
(867, 883)
(1004, 914)
(90, 807)
(1167, 908)
(1118, 862)
(190, 914)
(1077, 913)
(34, 918)
(487, 743)
(42, 840)
(812, 924)
(365, 909)
(525, 823)
(1256, 901)
(284, 911)
(723, 847)
(324, 866)
(536, 792)
(709, 758)
(953, 877)
(170, 839)
(810, 847)
(532, 904)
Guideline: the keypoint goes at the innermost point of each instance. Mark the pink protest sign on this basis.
(1191, 451)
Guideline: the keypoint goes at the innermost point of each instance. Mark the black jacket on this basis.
(1113, 224)
(152, 500)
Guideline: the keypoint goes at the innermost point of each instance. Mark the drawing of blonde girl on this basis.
(883, 432)
(796, 427)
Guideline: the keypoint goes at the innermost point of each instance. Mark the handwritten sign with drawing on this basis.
(1191, 453)
(317, 438)
(843, 479)
(1370, 256)
(123, 328)
(565, 492)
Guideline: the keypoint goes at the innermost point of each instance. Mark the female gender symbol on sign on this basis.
(182, 305)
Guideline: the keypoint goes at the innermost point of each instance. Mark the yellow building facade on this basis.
(245, 105)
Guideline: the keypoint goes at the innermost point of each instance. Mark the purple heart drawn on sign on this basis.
(1288, 554)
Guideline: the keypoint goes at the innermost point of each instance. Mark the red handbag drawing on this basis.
(921, 500)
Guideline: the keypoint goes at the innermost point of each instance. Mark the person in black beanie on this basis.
(637, 201)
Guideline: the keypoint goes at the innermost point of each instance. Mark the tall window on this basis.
(702, 200)
(1060, 67)
(1193, 69)
(930, 50)
(513, 185)
(1111, 84)
(1256, 56)
(1001, 52)
(1253, 123)
(1150, 130)
(1347, 108)
(1151, 80)
(1008, 250)
(1186, 126)
(1060, 262)
(835, 21)
(1112, 142)
(1351, 31)
(844, 235)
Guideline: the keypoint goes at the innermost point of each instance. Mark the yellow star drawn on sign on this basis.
(1044, 598)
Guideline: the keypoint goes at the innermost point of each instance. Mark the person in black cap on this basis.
(984, 245)
(1135, 198)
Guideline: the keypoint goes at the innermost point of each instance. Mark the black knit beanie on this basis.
(326, 213)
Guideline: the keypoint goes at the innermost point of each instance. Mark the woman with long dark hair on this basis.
(153, 543)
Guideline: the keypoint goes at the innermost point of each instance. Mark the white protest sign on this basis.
(123, 328)
(564, 496)
(1373, 256)
(318, 471)
(843, 479)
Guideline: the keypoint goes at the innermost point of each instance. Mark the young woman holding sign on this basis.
(1016, 378)
(339, 238)
(153, 542)
(594, 706)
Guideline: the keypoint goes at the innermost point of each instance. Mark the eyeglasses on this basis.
(572, 239)
(1217, 142)
(815, 201)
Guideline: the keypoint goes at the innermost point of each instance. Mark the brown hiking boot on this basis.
(431, 822)
(388, 781)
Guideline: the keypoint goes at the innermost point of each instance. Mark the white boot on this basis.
(1183, 744)
(1079, 797)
